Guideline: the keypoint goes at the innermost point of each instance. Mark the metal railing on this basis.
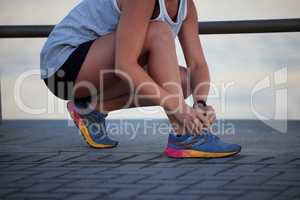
(217, 27)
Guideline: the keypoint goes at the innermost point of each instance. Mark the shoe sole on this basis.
(83, 129)
(175, 153)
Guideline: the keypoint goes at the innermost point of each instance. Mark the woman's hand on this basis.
(208, 110)
(193, 120)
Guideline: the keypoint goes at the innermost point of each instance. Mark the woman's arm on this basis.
(130, 37)
(194, 56)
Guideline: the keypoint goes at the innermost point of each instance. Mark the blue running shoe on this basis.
(92, 127)
(205, 145)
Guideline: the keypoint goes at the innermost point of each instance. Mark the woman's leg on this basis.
(159, 52)
(163, 65)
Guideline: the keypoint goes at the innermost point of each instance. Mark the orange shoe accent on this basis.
(83, 129)
(175, 153)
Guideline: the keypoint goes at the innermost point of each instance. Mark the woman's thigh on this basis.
(97, 70)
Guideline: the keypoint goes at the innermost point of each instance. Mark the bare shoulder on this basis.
(191, 8)
(121, 3)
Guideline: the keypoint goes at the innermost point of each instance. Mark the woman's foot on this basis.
(92, 127)
(205, 145)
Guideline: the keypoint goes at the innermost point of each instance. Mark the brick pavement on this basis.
(48, 160)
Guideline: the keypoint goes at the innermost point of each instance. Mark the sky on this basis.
(264, 65)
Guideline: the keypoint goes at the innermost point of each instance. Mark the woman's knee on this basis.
(159, 33)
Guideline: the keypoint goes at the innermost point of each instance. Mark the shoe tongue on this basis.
(181, 138)
(101, 115)
(81, 105)
(84, 109)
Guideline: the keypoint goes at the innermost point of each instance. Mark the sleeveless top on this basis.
(90, 20)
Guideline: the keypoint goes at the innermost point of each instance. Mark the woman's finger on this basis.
(189, 126)
(213, 118)
(204, 119)
(200, 115)
(198, 124)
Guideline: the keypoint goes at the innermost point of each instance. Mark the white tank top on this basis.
(90, 20)
(164, 16)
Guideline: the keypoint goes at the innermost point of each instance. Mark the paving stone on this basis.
(252, 180)
(213, 192)
(153, 170)
(258, 195)
(64, 156)
(209, 184)
(217, 197)
(287, 177)
(221, 177)
(50, 174)
(125, 193)
(117, 157)
(240, 174)
(262, 188)
(6, 173)
(88, 170)
(42, 187)
(142, 158)
(35, 157)
(167, 189)
(20, 167)
(282, 198)
(169, 197)
(171, 173)
(6, 191)
(127, 179)
(250, 159)
(177, 181)
(13, 177)
(292, 192)
(295, 161)
(129, 186)
(206, 170)
(283, 183)
(164, 165)
(99, 190)
(4, 166)
(278, 170)
(98, 176)
(91, 164)
(281, 159)
(163, 159)
(221, 160)
(83, 196)
(282, 166)
(44, 195)
(119, 172)
(25, 183)
(190, 161)
(13, 157)
(244, 168)
(88, 157)
(84, 183)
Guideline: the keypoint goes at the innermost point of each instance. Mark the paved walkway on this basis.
(49, 160)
